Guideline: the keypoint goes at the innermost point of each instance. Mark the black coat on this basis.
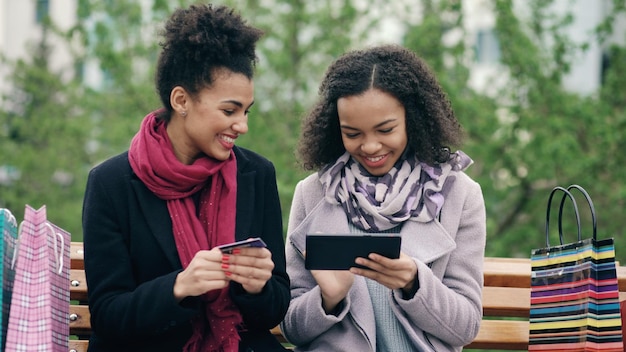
(131, 260)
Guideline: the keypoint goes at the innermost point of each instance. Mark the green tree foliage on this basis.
(43, 138)
(528, 136)
(554, 137)
(533, 134)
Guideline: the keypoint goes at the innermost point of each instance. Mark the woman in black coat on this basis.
(153, 216)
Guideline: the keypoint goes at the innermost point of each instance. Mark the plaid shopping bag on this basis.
(8, 229)
(574, 292)
(39, 316)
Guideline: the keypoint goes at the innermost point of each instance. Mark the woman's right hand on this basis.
(334, 285)
(203, 274)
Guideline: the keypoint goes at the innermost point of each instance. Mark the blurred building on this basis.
(20, 29)
(587, 68)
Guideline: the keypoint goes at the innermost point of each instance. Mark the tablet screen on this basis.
(338, 251)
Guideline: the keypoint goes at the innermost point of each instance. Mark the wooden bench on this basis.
(506, 304)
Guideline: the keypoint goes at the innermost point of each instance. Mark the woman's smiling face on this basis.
(373, 129)
(213, 119)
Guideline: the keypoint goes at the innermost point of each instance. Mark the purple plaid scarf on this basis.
(411, 190)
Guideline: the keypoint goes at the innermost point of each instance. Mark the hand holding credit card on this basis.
(250, 242)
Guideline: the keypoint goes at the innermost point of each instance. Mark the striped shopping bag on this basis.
(574, 304)
(8, 229)
(39, 316)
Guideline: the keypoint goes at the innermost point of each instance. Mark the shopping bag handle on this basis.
(13, 222)
(58, 251)
(594, 219)
(10, 215)
(567, 193)
(17, 244)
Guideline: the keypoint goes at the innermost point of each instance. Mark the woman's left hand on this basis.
(251, 267)
(398, 273)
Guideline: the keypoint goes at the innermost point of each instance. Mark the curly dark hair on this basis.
(432, 128)
(198, 41)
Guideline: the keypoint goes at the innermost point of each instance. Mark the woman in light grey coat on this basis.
(380, 138)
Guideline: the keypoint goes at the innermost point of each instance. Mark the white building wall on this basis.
(586, 69)
(19, 29)
(19, 32)
(486, 75)
(18, 18)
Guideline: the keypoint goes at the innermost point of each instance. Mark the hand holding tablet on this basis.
(339, 251)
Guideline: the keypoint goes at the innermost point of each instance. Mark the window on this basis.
(42, 10)
(487, 47)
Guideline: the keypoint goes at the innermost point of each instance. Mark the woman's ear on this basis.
(179, 100)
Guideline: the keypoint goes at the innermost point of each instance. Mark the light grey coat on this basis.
(446, 311)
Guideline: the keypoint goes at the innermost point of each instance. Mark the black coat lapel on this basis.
(156, 215)
(245, 197)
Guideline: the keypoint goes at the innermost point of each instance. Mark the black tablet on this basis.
(338, 251)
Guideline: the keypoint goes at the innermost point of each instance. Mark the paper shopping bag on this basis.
(622, 306)
(8, 229)
(39, 316)
(574, 292)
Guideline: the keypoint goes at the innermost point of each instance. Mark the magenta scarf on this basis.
(152, 158)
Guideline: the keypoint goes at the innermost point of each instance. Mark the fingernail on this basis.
(228, 273)
(224, 265)
(236, 251)
(225, 258)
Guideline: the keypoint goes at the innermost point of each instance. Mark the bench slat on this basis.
(506, 293)
(502, 335)
(506, 302)
(80, 323)
(78, 285)
(515, 272)
(507, 272)
(78, 345)
(77, 256)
